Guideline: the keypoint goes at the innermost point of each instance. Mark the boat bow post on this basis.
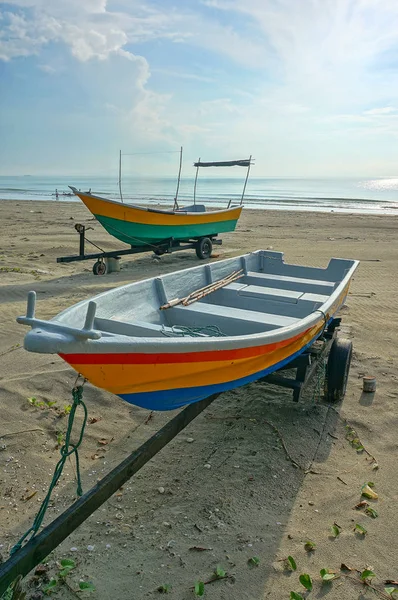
(58, 333)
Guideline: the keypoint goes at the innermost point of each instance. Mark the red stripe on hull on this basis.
(175, 357)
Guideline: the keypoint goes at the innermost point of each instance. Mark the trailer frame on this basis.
(166, 246)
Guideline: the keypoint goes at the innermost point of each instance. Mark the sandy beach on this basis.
(178, 519)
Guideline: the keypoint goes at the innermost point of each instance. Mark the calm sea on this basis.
(376, 196)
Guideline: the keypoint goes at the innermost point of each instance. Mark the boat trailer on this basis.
(106, 262)
(329, 354)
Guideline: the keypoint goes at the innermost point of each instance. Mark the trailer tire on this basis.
(99, 267)
(338, 368)
(204, 248)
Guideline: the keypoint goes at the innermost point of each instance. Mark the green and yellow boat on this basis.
(137, 225)
(140, 226)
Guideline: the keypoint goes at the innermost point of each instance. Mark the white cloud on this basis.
(48, 69)
(184, 75)
(386, 110)
(284, 71)
(213, 108)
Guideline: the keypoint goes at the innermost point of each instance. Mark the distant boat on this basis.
(140, 226)
(137, 226)
(172, 340)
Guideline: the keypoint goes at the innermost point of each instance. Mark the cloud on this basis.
(86, 27)
(48, 69)
(183, 75)
(386, 110)
(288, 72)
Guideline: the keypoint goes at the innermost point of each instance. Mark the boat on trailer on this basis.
(171, 340)
(142, 226)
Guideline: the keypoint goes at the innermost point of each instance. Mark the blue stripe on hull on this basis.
(176, 398)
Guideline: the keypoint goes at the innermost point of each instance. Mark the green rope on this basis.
(183, 331)
(67, 450)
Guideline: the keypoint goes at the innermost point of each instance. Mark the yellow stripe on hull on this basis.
(123, 212)
(123, 379)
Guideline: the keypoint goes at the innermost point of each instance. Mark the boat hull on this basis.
(169, 381)
(138, 226)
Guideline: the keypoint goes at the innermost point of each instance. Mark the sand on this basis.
(252, 501)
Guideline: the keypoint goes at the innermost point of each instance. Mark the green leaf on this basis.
(67, 562)
(391, 590)
(64, 572)
(51, 403)
(371, 512)
(360, 529)
(367, 574)
(309, 546)
(296, 596)
(306, 581)
(327, 575)
(165, 588)
(335, 531)
(371, 484)
(219, 572)
(368, 491)
(87, 586)
(50, 586)
(254, 561)
(292, 563)
(199, 588)
(357, 444)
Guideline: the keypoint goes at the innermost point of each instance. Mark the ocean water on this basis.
(377, 195)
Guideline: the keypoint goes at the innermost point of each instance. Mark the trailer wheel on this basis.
(204, 248)
(99, 267)
(337, 370)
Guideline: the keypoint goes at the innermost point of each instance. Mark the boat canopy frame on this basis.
(245, 162)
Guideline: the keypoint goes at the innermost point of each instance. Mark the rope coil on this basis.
(185, 331)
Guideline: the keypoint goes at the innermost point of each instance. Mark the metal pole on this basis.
(196, 179)
(120, 175)
(247, 177)
(30, 555)
(178, 181)
(82, 233)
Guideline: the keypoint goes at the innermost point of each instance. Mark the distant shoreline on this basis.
(248, 208)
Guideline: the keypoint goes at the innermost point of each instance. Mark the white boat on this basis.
(165, 342)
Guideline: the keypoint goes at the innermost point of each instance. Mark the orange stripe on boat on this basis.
(175, 357)
(138, 377)
(124, 212)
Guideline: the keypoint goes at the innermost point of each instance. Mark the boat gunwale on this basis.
(178, 212)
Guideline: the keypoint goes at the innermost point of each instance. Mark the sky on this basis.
(307, 87)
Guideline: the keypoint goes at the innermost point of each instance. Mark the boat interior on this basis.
(260, 300)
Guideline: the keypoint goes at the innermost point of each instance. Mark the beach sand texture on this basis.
(252, 501)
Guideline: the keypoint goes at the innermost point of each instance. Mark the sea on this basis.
(378, 195)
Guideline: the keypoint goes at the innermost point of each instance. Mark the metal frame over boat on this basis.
(222, 325)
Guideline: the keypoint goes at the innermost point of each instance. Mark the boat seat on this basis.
(192, 208)
(132, 329)
(274, 294)
(232, 321)
(298, 284)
